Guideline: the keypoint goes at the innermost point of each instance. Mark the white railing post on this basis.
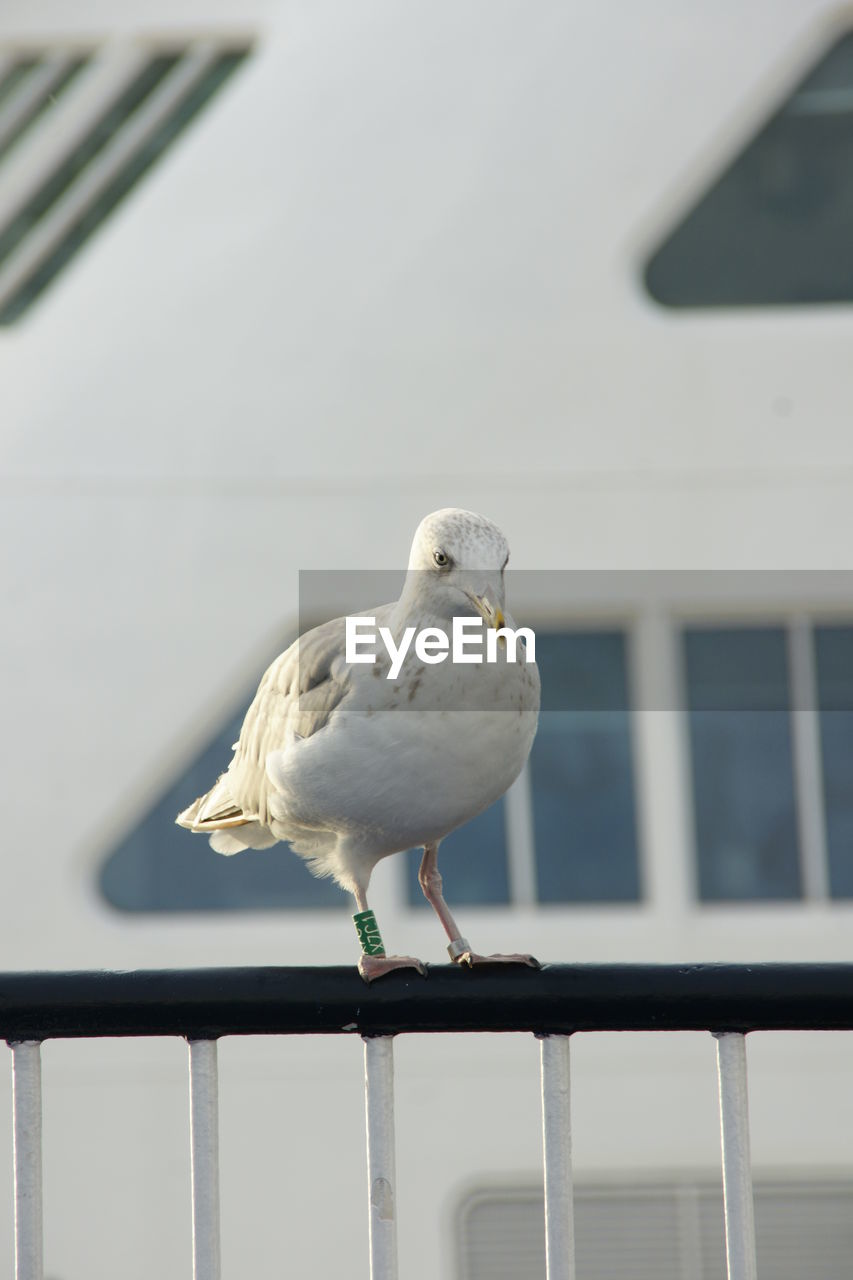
(204, 1138)
(26, 1139)
(557, 1158)
(737, 1174)
(381, 1178)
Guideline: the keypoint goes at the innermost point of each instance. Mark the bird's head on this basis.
(458, 560)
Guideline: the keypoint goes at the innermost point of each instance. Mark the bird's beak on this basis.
(488, 609)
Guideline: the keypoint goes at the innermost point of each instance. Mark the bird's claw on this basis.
(371, 967)
(471, 958)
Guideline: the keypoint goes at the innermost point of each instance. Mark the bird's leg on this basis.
(459, 950)
(374, 963)
(429, 878)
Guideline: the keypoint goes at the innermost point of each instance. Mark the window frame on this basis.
(518, 800)
(798, 626)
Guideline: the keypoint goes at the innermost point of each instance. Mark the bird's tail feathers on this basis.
(214, 810)
(251, 836)
(218, 815)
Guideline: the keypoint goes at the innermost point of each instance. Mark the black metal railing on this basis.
(556, 999)
(553, 1002)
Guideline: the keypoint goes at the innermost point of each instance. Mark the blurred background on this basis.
(276, 280)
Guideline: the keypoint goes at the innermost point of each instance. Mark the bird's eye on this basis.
(441, 558)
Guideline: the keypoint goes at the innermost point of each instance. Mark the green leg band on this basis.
(368, 933)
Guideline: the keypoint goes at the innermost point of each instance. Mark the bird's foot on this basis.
(460, 953)
(471, 958)
(371, 967)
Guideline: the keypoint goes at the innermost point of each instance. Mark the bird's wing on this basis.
(296, 698)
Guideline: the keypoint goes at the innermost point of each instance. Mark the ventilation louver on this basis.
(660, 1232)
(78, 129)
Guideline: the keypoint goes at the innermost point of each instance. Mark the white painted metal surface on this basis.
(521, 862)
(737, 1174)
(204, 1130)
(805, 724)
(519, 841)
(557, 1158)
(381, 1180)
(26, 1104)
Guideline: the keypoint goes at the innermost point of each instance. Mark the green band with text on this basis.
(368, 933)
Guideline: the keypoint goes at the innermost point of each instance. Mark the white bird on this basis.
(349, 766)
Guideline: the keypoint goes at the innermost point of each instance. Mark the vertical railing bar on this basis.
(381, 1177)
(737, 1173)
(557, 1158)
(27, 1149)
(204, 1139)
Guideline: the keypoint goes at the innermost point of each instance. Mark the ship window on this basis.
(581, 841)
(582, 800)
(158, 866)
(742, 763)
(473, 863)
(748, 793)
(774, 227)
(581, 787)
(659, 1231)
(78, 130)
(581, 771)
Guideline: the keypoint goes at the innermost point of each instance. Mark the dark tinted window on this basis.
(581, 772)
(472, 862)
(776, 227)
(742, 764)
(159, 866)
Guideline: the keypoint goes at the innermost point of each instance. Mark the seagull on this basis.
(351, 761)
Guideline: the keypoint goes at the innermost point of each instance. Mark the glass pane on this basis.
(834, 658)
(774, 228)
(581, 772)
(741, 757)
(472, 862)
(159, 866)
